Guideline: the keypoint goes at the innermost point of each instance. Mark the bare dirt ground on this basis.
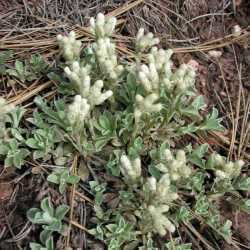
(213, 33)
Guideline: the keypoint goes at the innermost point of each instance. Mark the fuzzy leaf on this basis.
(73, 179)
(212, 122)
(46, 206)
(53, 178)
(45, 235)
(242, 183)
(61, 211)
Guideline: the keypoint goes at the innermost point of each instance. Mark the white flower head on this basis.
(146, 105)
(96, 97)
(176, 167)
(145, 41)
(80, 78)
(70, 47)
(152, 184)
(131, 169)
(224, 169)
(160, 58)
(102, 26)
(107, 59)
(78, 111)
(149, 77)
(161, 224)
(183, 78)
(163, 191)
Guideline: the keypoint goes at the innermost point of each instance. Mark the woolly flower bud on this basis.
(131, 169)
(70, 46)
(106, 56)
(4, 107)
(146, 105)
(149, 77)
(183, 78)
(79, 76)
(96, 97)
(161, 223)
(151, 183)
(160, 57)
(163, 192)
(144, 42)
(175, 166)
(223, 169)
(78, 111)
(102, 26)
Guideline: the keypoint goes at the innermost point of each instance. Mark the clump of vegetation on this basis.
(132, 115)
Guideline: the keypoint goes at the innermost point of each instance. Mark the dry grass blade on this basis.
(26, 95)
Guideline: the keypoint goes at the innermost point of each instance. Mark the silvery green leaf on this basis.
(61, 211)
(16, 133)
(50, 244)
(73, 179)
(212, 122)
(193, 109)
(154, 172)
(36, 246)
(54, 226)
(135, 148)
(202, 205)
(45, 235)
(32, 215)
(8, 162)
(62, 187)
(196, 181)
(46, 206)
(226, 230)
(189, 129)
(242, 183)
(183, 214)
(37, 154)
(19, 66)
(197, 154)
(53, 178)
(3, 148)
(32, 143)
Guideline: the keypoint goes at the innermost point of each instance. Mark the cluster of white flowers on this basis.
(69, 46)
(79, 76)
(89, 94)
(107, 59)
(131, 169)
(144, 42)
(162, 196)
(102, 28)
(146, 105)
(78, 111)
(224, 169)
(176, 167)
(161, 223)
(161, 190)
(157, 73)
(182, 79)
